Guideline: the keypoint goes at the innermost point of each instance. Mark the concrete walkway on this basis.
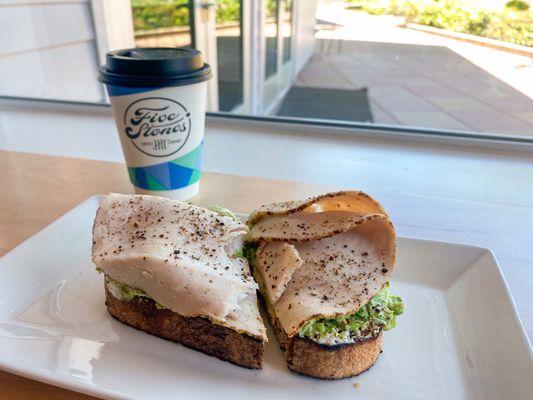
(418, 79)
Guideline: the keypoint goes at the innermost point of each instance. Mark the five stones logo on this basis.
(157, 126)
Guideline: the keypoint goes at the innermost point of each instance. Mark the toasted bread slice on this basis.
(195, 332)
(307, 357)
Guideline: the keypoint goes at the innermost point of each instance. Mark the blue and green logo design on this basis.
(174, 174)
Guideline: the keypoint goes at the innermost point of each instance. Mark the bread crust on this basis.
(195, 332)
(332, 362)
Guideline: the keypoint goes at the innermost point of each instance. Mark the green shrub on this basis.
(228, 11)
(460, 16)
(154, 14)
(517, 5)
(149, 15)
(514, 31)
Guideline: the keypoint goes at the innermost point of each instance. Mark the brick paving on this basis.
(425, 82)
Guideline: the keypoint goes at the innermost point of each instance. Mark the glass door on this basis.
(286, 30)
(277, 44)
(213, 27)
(230, 60)
(271, 32)
(220, 27)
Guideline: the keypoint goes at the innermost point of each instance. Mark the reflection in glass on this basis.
(286, 30)
(160, 23)
(271, 35)
(229, 53)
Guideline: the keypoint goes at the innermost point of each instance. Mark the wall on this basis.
(48, 50)
(51, 49)
(310, 155)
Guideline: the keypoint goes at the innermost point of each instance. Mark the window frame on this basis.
(381, 133)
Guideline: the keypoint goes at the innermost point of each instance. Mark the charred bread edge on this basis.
(194, 332)
(332, 362)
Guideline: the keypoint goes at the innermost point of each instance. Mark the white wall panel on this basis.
(33, 27)
(50, 50)
(64, 72)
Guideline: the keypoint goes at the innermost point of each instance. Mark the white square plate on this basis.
(459, 338)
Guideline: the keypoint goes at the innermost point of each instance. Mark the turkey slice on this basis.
(345, 246)
(278, 263)
(178, 254)
(350, 200)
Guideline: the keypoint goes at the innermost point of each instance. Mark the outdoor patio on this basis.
(415, 78)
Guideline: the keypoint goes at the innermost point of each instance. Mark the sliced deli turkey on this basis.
(322, 257)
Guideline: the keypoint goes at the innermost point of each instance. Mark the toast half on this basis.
(307, 357)
(197, 333)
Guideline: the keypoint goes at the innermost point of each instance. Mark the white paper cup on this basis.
(161, 128)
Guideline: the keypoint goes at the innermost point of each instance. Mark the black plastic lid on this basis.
(154, 67)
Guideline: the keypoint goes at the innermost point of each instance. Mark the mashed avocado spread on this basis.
(124, 292)
(378, 313)
(223, 211)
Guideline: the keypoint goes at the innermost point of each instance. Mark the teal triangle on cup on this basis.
(190, 160)
(170, 175)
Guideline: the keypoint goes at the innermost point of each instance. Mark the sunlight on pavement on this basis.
(513, 69)
(415, 78)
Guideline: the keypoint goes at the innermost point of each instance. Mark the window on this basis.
(271, 37)
(229, 45)
(163, 23)
(286, 30)
(436, 66)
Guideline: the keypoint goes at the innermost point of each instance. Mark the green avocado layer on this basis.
(379, 312)
(223, 211)
(126, 293)
(249, 250)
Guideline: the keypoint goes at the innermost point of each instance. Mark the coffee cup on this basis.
(158, 97)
